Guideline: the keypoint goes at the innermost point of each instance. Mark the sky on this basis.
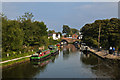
(57, 14)
(60, 0)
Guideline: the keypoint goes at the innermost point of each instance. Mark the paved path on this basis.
(104, 55)
(15, 59)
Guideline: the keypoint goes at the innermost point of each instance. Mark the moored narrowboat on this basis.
(41, 55)
(53, 49)
(44, 62)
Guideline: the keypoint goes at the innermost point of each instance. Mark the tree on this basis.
(110, 33)
(40, 33)
(12, 35)
(27, 26)
(25, 31)
(60, 33)
(51, 31)
(74, 31)
(26, 16)
(66, 29)
(33, 30)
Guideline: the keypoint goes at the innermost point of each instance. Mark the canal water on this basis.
(69, 63)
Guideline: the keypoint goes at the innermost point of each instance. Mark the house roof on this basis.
(50, 34)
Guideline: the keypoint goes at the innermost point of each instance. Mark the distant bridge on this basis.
(69, 40)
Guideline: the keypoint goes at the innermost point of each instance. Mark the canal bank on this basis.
(69, 63)
(104, 55)
(13, 63)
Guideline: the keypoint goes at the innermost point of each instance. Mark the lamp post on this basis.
(99, 37)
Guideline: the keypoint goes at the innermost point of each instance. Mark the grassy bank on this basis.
(12, 63)
(27, 50)
(17, 56)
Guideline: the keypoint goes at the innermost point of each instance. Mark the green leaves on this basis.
(66, 29)
(69, 31)
(12, 35)
(24, 31)
(110, 33)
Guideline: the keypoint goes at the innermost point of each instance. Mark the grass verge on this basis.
(12, 63)
(17, 56)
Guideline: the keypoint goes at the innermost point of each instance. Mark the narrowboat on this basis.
(44, 62)
(53, 49)
(41, 55)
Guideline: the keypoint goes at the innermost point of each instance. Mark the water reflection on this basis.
(43, 63)
(28, 69)
(88, 59)
(71, 48)
(67, 49)
(69, 63)
(100, 67)
(22, 71)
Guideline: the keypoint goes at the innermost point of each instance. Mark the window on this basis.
(44, 53)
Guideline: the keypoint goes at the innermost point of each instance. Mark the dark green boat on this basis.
(53, 49)
(44, 62)
(41, 55)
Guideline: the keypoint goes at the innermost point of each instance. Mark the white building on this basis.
(55, 36)
(80, 36)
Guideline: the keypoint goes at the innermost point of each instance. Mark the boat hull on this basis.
(32, 58)
(55, 53)
(39, 58)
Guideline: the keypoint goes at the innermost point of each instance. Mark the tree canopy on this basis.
(109, 33)
(69, 31)
(66, 29)
(23, 32)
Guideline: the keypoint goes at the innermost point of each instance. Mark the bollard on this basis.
(20, 52)
(7, 54)
(43, 47)
(117, 53)
(14, 53)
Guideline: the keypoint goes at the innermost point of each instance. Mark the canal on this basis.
(69, 63)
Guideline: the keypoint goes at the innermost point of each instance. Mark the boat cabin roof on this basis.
(39, 51)
(51, 46)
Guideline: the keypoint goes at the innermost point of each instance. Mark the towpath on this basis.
(14, 59)
(104, 54)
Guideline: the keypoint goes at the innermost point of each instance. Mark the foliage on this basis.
(12, 35)
(73, 31)
(66, 29)
(69, 31)
(60, 33)
(19, 35)
(51, 31)
(52, 42)
(34, 31)
(109, 33)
